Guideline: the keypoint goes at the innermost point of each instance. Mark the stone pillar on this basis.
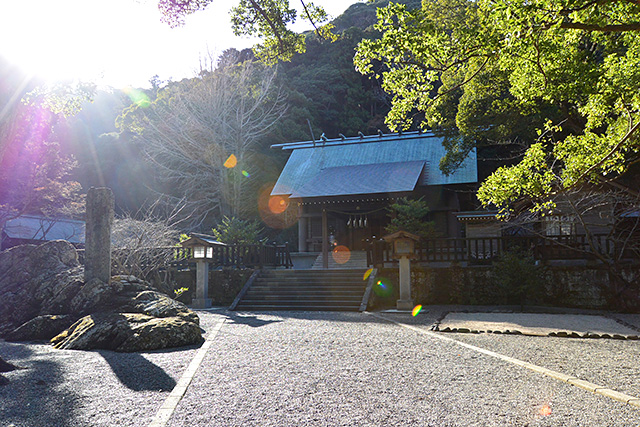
(99, 219)
(405, 302)
(202, 285)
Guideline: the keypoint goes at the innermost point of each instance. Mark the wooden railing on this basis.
(478, 251)
(251, 256)
(233, 256)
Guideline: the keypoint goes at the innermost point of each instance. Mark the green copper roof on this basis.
(364, 165)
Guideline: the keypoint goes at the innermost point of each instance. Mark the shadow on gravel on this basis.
(254, 318)
(32, 397)
(137, 373)
(249, 320)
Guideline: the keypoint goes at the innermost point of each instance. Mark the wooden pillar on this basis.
(325, 239)
(302, 230)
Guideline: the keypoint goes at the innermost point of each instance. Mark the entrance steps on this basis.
(354, 260)
(308, 290)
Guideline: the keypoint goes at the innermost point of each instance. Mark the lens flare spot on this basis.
(245, 174)
(276, 211)
(367, 274)
(545, 411)
(278, 204)
(416, 310)
(383, 288)
(231, 162)
(138, 97)
(341, 254)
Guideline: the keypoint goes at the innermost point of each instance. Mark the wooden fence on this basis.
(232, 256)
(479, 251)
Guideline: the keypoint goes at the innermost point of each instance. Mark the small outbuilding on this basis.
(36, 229)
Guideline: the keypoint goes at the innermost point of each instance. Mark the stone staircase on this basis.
(356, 260)
(311, 290)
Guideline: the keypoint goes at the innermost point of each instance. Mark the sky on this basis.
(118, 43)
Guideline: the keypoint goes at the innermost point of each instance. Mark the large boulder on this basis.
(127, 332)
(43, 295)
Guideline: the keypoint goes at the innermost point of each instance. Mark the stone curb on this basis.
(577, 382)
(171, 403)
(557, 334)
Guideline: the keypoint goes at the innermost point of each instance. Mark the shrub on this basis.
(410, 215)
(235, 231)
(517, 278)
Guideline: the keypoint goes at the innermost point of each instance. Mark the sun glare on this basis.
(119, 43)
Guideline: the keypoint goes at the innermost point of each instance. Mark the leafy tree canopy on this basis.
(34, 172)
(492, 70)
(267, 19)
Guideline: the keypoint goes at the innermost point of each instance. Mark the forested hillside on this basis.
(321, 89)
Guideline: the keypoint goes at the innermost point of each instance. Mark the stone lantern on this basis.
(404, 244)
(202, 246)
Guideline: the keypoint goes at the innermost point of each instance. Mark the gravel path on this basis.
(332, 369)
(325, 369)
(88, 388)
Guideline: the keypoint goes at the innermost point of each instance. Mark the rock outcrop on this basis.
(36, 280)
(43, 296)
(127, 332)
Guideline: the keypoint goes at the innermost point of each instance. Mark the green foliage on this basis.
(178, 292)
(494, 71)
(64, 99)
(237, 231)
(410, 215)
(266, 19)
(323, 87)
(517, 278)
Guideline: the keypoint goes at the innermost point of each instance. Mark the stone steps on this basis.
(305, 290)
(357, 260)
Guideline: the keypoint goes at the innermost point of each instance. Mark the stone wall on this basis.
(560, 286)
(224, 284)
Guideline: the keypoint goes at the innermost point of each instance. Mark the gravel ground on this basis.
(332, 369)
(88, 388)
(325, 369)
(607, 362)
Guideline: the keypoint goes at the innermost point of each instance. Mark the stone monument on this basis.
(403, 250)
(99, 219)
